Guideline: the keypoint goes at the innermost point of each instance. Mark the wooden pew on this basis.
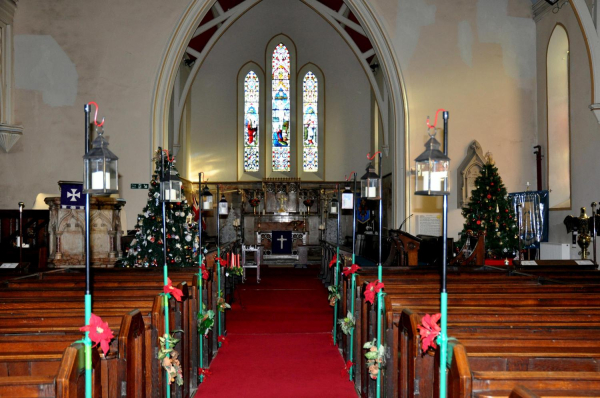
(67, 382)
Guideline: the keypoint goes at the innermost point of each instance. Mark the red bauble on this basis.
(478, 222)
(491, 183)
(489, 196)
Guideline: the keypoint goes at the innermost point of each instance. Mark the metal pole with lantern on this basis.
(334, 211)
(100, 177)
(222, 210)
(170, 192)
(348, 200)
(432, 170)
(370, 187)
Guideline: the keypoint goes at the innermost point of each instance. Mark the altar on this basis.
(283, 246)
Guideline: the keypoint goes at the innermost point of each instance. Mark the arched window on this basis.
(559, 135)
(251, 122)
(280, 116)
(310, 123)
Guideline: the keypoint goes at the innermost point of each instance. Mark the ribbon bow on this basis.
(223, 340)
(169, 289)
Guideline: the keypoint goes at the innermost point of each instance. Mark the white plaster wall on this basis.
(213, 130)
(476, 59)
(71, 52)
(585, 131)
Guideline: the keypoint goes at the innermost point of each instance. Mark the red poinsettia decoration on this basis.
(204, 271)
(169, 289)
(347, 368)
(333, 261)
(429, 330)
(100, 333)
(223, 340)
(221, 261)
(372, 289)
(350, 270)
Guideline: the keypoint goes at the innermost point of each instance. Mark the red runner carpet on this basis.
(279, 341)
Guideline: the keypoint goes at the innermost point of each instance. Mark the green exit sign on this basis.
(139, 186)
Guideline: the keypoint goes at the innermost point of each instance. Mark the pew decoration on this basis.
(222, 340)
(99, 333)
(222, 305)
(168, 289)
(372, 289)
(347, 324)
(347, 367)
(205, 273)
(204, 372)
(206, 321)
(375, 358)
(429, 331)
(168, 358)
(334, 294)
(350, 270)
(333, 261)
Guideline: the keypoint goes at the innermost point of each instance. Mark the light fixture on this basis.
(207, 198)
(370, 184)
(100, 174)
(432, 168)
(552, 2)
(347, 199)
(170, 186)
(223, 206)
(334, 206)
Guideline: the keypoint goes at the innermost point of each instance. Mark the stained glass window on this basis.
(310, 122)
(280, 122)
(251, 123)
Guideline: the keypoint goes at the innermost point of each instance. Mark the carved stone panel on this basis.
(468, 171)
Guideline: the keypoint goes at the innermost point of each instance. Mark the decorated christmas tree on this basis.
(146, 249)
(490, 211)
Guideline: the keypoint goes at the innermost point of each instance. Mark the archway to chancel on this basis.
(207, 22)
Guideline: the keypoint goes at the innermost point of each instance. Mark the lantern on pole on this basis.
(347, 199)
(100, 173)
(170, 186)
(334, 206)
(223, 206)
(432, 167)
(370, 184)
(206, 198)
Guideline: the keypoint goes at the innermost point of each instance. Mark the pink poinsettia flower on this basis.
(350, 270)
(333, 261)
(372, 289)
(429, 330)
(99, 332)
(169, 289)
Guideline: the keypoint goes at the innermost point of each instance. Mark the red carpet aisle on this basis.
(279, 341)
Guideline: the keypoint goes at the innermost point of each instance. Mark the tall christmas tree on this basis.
(146, 249)
(489, 210)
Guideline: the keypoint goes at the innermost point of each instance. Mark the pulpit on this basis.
(404, 249)
(66, 232)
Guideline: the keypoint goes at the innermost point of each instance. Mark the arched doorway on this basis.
(390, 94)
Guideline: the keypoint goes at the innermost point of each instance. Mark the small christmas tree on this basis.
(146, 249)
(489, 210)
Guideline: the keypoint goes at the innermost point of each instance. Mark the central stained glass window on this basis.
(280, 122)
(310, 122)
(251, 123)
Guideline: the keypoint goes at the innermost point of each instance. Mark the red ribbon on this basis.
(96, 114)
(436, 116)
(204, 372)
(333, 261)
(223, 340)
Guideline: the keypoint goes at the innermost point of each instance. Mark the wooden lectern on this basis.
(404, 249)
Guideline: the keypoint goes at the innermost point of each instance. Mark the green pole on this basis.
(380, 277)
(353, 276)
(88, 347)
(165, 270)
(443, 340)
(443, 337)
(218, 264)
(200, 258)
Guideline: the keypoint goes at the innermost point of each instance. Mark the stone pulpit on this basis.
(66, 230)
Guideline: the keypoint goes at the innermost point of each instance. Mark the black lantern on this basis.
(370, 184)
(207, 199)
(100, 173)
(334, 206)
(432, 167)
(347, 199)
(223, 206)
(170, 187)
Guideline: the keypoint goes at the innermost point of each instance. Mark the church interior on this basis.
(299, 198)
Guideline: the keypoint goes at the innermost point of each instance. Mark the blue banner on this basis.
(71, 196)
(281, 242)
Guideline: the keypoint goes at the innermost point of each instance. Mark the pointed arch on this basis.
(317, 78)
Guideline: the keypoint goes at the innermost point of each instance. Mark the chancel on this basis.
(275, 226)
